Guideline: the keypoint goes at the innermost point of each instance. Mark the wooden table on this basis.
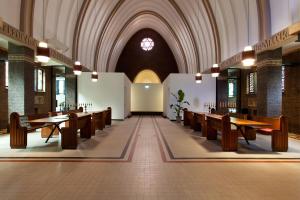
(223, 123)
(54, 121)
(83, 121)
(239, 123)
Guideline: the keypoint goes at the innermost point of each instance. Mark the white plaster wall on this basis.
(196, 94)
(284, 13)
(108, 91)
(127, 100)
(147, 99)
(10, 12)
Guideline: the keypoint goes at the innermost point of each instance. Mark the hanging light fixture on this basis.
(248, 55)
(215, 70)
(198, 78)
(94, 76)
(77, 68)
(42, 51)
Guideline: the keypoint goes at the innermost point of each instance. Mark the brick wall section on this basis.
(3, 98)
(291, 98)
(21, 84)
(71, 87)
(269, 93)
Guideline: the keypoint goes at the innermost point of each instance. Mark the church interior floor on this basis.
(148, 158)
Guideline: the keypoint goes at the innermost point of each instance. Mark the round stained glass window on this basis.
(147, 44)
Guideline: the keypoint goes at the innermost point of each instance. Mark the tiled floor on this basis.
(148, 177)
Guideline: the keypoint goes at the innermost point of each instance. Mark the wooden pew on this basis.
(190, 120)
(108, 116)
(19, 128)
(98, 121)
(200, 120)
(278, 131)
(47, 130)
(229, 138)
(77, 121)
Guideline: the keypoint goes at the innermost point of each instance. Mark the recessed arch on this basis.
(147, 76)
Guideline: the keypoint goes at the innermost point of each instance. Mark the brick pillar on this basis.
(4, 98)
(269, 92)
(71, 87)
(21, 79)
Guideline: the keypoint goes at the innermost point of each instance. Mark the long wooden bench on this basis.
(19, 127)
(278, 131)
(108, 116)
(69, 133)
(190, 119)
(200, 123)
(46, 131)
(98, 121)
(229, 138)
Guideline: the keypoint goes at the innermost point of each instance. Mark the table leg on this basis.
(50, 135)
(242, 132)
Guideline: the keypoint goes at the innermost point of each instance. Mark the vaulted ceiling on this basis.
(198, 32)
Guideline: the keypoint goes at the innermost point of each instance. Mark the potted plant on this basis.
(178, 107)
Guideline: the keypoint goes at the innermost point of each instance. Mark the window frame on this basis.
(37, 81)
(6, 74)
(251, 83)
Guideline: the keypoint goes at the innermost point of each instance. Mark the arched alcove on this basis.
(159, 58)
(146, 76)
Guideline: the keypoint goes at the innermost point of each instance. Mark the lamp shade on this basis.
(198, 78)
(215, 70)
(248, 56)
(43, 52)
(77, 68)
(94, 76)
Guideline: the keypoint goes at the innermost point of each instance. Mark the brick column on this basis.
(4, 98)
(21, 79)
(269, 92)
(71, 87)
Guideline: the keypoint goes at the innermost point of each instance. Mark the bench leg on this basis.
(68, 138)
(18, 138)
(279, 141)
(230, 141)
(212, 134)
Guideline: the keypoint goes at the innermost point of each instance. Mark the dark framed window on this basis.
(6, 74)
(252, 83)
(282, 79)
(39, 80)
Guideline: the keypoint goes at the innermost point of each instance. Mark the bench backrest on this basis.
(276, 122)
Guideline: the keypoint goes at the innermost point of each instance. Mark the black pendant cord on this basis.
(248, 22)
(43, 27)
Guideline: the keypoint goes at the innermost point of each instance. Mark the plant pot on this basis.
(178, 119)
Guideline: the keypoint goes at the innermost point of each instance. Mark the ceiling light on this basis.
(198, 78)
(248, 56)
(77, 68)
(215, 70)
(94, 76)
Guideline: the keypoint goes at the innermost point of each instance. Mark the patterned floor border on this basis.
(168, 156)
(130, 144)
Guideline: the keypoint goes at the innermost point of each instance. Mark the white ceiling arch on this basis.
(142, 20)
(193, 44)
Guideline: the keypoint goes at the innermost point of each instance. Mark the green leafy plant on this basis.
(178, 107)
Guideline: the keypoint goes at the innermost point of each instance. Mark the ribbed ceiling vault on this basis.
(199, 32)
